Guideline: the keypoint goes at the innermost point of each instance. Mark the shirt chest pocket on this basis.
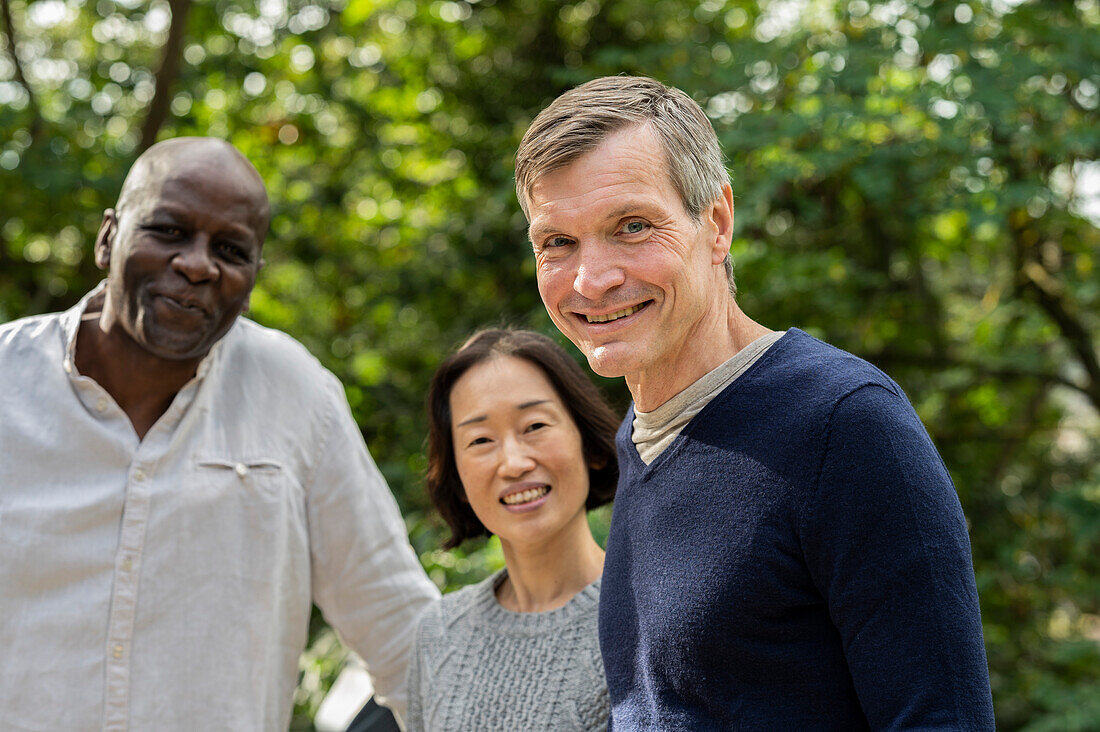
(252, 473)
(255, 485)
(251, 508)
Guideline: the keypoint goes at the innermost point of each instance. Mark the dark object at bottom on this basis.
(373, 718)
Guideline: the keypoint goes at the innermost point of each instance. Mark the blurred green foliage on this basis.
(914, 182)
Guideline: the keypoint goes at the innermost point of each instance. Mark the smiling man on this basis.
(178, 485)
(787, 550)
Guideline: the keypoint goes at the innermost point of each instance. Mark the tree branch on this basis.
(166, 74)
(1013, 443)
(9, 35)
(1049, 293)
(1032, 277)
(886, 358)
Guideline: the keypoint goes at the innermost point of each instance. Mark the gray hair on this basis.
(580, 119)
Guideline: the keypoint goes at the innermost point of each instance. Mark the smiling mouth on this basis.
(527, 496)
(182, 305)
(617, 314)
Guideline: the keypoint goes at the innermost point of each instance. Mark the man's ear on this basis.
(720, 215)
(105, 238)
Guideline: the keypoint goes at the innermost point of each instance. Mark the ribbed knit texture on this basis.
(796, 559)
(478, 666)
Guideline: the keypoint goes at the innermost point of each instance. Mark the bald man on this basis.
(178, 484)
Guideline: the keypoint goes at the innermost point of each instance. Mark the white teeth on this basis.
(615, 315)
(526, 496)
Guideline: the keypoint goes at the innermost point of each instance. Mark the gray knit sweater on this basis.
(478, 666)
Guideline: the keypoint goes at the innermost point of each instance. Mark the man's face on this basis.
(183, 252)
(624, 271)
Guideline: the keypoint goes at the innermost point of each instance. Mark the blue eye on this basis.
(557, 241)
(634, 227)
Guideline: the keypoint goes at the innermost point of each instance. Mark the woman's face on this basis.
(518, 452)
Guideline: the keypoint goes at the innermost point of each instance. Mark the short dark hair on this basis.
(593, 417)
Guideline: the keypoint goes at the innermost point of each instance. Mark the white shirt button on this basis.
(139, 474)
(242, 469)
(101, 404)
(117, 652)
(127, 565)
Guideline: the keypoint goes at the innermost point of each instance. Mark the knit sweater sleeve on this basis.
(417, 684)
(886, 544)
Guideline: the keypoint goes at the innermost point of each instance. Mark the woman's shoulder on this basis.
(452, 620)
(469, 601)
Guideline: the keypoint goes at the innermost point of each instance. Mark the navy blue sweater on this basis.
(796, 560)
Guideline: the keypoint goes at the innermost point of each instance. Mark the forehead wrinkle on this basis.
(174, 196)
(199, 159)
(631, 159)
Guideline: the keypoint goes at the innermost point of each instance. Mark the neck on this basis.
(715, 339)
(142, 384)
(547, 575)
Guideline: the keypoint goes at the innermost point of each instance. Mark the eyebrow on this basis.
(631, 207)
(519, 408)
(539, 232)
(180, 216)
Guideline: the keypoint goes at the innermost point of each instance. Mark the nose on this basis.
(514, 459)
(597, 271)
(195, 262)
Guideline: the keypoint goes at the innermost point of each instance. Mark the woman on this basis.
(520, 445)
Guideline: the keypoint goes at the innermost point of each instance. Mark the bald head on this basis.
(198, 158)
(183, 247)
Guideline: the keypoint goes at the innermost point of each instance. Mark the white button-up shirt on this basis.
(166, 583)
